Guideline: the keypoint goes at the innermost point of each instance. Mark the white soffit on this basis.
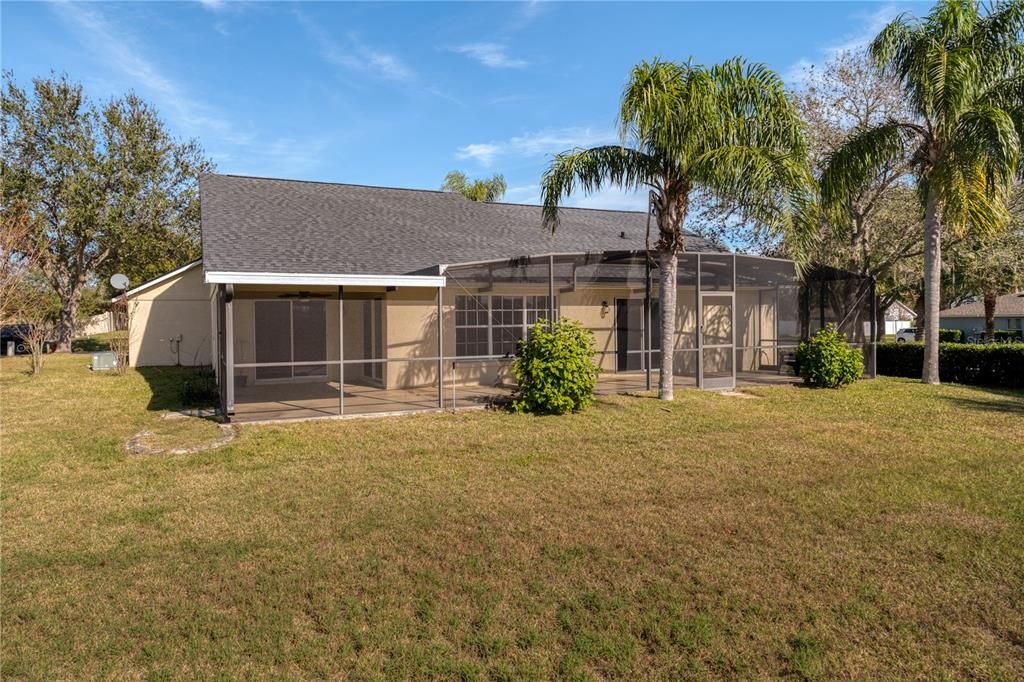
(313, 279)
(159, 280)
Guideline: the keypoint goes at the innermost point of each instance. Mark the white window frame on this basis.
(491, 325)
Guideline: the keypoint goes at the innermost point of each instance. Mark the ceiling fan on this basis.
(304, 295)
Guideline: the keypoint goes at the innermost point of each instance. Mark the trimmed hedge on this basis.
(998, 365)
(951, 336)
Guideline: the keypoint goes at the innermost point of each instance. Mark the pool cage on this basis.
(321, 351)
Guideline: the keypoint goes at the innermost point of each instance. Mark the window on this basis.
(493, 325)
(506, 324)
(471, 326)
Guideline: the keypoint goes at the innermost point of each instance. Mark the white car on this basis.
(905, 335)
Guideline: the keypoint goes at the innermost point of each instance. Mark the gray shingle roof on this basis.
(1010, 305)
(279, 226)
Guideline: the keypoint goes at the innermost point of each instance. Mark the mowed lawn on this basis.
(874, 532)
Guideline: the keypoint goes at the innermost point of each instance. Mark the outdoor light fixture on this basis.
(604, 309)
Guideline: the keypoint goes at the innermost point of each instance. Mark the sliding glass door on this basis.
(629, 334)
(290, 331)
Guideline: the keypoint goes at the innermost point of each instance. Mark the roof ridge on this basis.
(420, 189)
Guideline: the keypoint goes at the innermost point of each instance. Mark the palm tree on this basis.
(728, 131)
(481, 189)
(961, 74)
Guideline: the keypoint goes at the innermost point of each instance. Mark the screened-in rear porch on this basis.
(315, 350)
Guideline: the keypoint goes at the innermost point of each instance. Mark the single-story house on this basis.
(316, 299)
(898, 316)
(970, 317)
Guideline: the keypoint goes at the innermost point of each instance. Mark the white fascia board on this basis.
(158, 280)
(313, 279)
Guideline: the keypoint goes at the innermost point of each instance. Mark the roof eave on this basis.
(323, 279)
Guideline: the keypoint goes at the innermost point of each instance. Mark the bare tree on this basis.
(16, 256)
(876, 232)
(37, 322)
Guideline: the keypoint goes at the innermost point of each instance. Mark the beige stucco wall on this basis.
(412, 331)
(755, 329)
(409, 328)
(178, 308)
(243, 311)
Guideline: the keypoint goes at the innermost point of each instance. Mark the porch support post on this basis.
(821, 303)
(229, 349)
(874, 330)
(648, 356)
(341, 350)
(551, 291)
(440, 351)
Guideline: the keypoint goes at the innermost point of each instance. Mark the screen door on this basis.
(717, 341)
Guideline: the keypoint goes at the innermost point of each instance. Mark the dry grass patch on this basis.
(872, 532)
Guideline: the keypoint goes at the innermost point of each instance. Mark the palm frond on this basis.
(892, 49)
(999, 32)
(860, 158)
(987, 136)
(591, 169)
(969, 201)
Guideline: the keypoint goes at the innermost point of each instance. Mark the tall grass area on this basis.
(872, 532)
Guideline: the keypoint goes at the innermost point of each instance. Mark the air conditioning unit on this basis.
(103, 361)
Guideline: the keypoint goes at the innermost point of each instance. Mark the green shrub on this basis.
(826, 361)
(199, 389)
(554, 369)
(951, 336)
(998, 365)
(1007, 336)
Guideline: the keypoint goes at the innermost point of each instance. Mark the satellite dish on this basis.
(119, 282)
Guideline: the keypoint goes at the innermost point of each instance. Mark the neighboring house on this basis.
(970, 317)
(412, 299)
(898, 316)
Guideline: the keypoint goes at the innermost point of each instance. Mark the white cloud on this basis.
(796, 75)
(352, 54)
(523, 194)
(482, 153)
(611, 199)
(235, 147)
(490, 54)
(213, 5)
(870, 27)
(114, 46)
(858, 39)
(551, 141)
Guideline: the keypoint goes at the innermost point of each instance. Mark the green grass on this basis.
(873, 532)
(92, 344)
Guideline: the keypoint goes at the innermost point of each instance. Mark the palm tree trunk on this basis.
(932, 282)
(990, 316)
(667, 295)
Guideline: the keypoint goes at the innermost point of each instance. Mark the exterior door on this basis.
(629, 334)
(290, 331)
(717, 340)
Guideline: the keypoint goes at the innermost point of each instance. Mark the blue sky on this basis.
(398, 94)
